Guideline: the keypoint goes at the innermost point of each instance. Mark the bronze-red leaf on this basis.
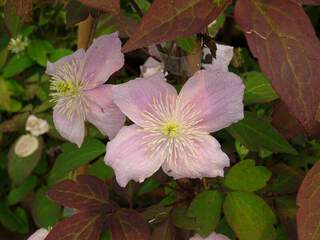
(112, 6)
(308, 216)
(169, 19)
(87, 192)
(86, 225)
(281, 36)
(127, 224)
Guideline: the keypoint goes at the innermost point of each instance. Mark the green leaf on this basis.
(257, 134)
(206, 208)
(100, 170)
(59, 53)
(45, 212)
(249, 216)
(258, 88)
(180, 218)
(19, 193)
(38, 51)
(215, 26)
(13, 221)
(245, 176)
(5, 94)
(20, 168)
(17, 65)
(73, 157)
(12, 20)
(188, 44)
(148, 186)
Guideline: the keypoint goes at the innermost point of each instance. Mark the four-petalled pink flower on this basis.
(172, 130)
(77, 87)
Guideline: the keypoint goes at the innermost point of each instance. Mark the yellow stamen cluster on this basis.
(172, 129)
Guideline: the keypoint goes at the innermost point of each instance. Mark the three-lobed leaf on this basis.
(245, 176)
(308, 216)
(249, 216)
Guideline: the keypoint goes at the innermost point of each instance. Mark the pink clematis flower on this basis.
(212, 236)
(171, 130)
(77, 86)
(40, 234)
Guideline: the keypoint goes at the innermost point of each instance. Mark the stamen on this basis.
(171, 128)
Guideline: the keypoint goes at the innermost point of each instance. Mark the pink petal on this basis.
(218, 97)
(223, 58)
(40, 234)
(71, 128)
(208, 160)
(127, 155)
(213, 236)
(76, 56)
(102, 112)
(136, 96)
(103, 58)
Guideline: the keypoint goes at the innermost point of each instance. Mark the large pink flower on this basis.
(40, 234)
(212, 236)
(172, 130)
(78, 89)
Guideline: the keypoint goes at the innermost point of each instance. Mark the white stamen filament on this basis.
(67, 87)
(172, 128)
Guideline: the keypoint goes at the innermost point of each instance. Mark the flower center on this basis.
(66, 82)
(171, 129)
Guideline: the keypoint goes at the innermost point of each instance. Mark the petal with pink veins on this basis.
(103, 58)
(218, 96)
(129, 157)
(71, 128)
(136, 97)
(77, 56)
(207, 160)
(102, 112)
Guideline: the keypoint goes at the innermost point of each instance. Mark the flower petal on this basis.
(71, 128)
(218, 96)
(208, 160)
(103, 58)
(102, 112)
(137, 96)
(223, 58)
(76, 56)
(212, 236)
(127, 155)
(40, 234)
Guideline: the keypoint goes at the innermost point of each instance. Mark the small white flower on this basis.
(37, 126)
(40, 234)
(151, 67)
(26, 145)
(17, 45)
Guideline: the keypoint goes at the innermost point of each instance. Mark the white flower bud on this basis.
(37, 126)
(26, 145)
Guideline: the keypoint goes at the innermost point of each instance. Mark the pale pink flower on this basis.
(212, 236)
(223, 58)
(78, 90)
(40, 234)
(171, 130)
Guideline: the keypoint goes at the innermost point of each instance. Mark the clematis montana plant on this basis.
(77, 86)
(171, 130)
